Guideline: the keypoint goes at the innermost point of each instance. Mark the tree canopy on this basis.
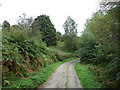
(70, 28)
(48, 31)
(6, 25)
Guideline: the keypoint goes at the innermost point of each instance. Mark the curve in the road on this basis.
(64, 77)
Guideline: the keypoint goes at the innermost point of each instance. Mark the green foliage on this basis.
(70, 26)
(22, 54)
(99, 44)
(44, 24)
(25, 50)
(112, 72)
(69, 59)
(36, 78)
(6, 25)
(10, 51)
(86, 47)
(70, 37)
(60, 55)
(25, 23)
(59, 36)
(61, 46)
(71, 43)
(87, 78)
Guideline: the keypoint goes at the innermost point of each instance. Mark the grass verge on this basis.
(36, 78)
(86, 77)
(69, 59)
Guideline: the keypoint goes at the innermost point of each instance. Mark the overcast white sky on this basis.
(58, 10)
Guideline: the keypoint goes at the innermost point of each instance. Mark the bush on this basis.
(112, 74)
(23, 54)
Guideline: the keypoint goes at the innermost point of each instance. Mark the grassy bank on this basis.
(87, 78)
(36, 78)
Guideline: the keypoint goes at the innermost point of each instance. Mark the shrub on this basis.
(23, 54)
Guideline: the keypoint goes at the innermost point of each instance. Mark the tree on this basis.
(103, 29)
(70, 28)
(106, 5)
(59, 36)
(25, 23)
(44, 24)
(86, 47)
(6, 25)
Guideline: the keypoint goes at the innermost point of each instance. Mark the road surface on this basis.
(64, 77)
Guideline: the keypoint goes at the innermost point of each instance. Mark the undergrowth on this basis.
(34, 79)
(88, 79)
(23, 54)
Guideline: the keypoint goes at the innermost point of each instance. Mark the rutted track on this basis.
(64, 77)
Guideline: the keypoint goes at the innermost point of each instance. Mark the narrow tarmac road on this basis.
(64, 77)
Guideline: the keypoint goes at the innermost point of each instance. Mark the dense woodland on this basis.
(32, 44)
(99, 45)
